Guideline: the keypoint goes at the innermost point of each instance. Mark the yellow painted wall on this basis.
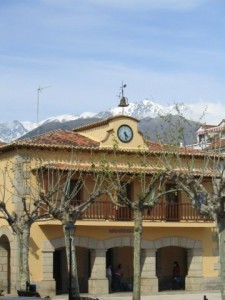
(101, 230)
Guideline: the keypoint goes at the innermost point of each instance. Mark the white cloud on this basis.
(208, 112)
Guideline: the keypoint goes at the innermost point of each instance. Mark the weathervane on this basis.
(123, 100)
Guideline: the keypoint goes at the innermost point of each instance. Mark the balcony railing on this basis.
(106, 210)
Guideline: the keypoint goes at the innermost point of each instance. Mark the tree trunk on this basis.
(137, 254)
(24, 257)
(72, 265)
(221, 228)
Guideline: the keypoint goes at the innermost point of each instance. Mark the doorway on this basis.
(5, 264)
(165, 257)
(60, 272)
(123, 256)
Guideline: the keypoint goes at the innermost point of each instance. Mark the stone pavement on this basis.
(168, 295)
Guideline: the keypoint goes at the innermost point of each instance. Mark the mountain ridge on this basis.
(146, 111)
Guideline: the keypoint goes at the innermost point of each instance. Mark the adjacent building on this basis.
(211, 137)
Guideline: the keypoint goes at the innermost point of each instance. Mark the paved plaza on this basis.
(168, 295)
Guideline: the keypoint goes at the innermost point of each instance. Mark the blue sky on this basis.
(165, 50)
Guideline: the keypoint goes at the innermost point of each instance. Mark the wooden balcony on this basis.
(105, 210)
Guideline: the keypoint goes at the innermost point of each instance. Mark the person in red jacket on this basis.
(118, 277)
(176, 284)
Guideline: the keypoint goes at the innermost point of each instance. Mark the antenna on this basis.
(39, 90)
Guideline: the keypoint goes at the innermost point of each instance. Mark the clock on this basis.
(125, 133)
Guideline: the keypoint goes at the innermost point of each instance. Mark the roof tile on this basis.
(58, 138)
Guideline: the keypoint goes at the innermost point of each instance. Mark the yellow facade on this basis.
(104, 238)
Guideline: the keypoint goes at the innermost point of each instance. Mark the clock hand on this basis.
(125, 135)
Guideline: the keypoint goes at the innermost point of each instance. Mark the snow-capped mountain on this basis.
(139, 110)
(11, 131)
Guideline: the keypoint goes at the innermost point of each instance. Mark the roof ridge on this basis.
(102, 122)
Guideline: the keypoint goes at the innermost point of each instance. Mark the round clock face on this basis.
(125, 133)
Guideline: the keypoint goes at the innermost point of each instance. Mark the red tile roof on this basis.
(206, 126)
(67, 139)
(126, 168)
(58, 138)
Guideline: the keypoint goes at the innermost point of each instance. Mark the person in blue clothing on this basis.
(176, 283)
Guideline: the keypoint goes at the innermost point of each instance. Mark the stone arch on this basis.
(183, 242)
(5, 230)
(149, 248)
(86, 242)
(51, 245)
(6, 257)
(194, 278)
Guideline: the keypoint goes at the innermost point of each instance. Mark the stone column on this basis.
(194, 278)
(149, 281)
(47, 285)
(98, 283)
(14, 261)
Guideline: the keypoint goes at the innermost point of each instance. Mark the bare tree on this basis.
(23, 214)
(207, 193)
(62, 189)
(150, 184)
(33, 189)
(200, 173)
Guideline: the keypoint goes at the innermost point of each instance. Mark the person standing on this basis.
(176, 276)
(119, 276)
(109, 276)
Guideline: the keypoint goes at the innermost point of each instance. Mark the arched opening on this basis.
(60, 272)
(5, 278)
(123, 256)
(165, 257)
(83, 268)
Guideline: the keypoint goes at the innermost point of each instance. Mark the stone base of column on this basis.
(149, 285)
(46, 288)
(194, 283)
(211, 283)
(98, 286)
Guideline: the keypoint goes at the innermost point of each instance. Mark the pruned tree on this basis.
(24, 212)
(207, 193)
(150, 180)
(199, 171)
(61, 195)
(34, 189)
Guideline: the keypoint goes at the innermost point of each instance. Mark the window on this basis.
(126, 191)
(201, 138)
(75, 190)
(172, 203)
(171, 197)
(222, 134)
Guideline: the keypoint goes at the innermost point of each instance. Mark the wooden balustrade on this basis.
(106, 210)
